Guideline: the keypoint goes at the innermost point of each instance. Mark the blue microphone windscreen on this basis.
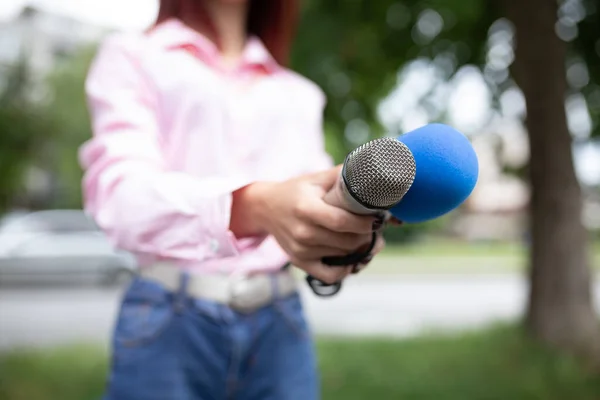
(447, 171)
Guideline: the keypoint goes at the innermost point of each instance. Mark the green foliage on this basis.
(23, 134)
(498, 363)
(587, 47)
(45, 134)
(69, 113)
(354, 51)
(408, 233)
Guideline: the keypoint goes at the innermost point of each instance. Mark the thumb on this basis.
(327, 179)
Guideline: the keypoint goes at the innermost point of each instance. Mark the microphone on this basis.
(416, 177)
(447, 172)
(374, 177)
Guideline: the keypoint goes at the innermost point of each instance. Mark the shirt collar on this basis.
(174, 34)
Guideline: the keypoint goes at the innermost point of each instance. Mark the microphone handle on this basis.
(340, 197)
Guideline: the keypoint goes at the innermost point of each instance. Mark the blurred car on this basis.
(59, 245)
(10, 216)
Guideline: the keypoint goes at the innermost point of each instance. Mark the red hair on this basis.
(273, 21)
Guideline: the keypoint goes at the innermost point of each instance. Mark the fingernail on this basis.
(378, 223)
(367, 259)
(395, 221)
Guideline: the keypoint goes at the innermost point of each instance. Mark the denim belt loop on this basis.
(181, 294)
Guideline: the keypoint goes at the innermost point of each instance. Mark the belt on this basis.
(243, 293)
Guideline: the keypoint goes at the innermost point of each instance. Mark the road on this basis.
(371, 305)
(401, 306)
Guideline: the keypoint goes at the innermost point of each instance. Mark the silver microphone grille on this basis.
(380, 172)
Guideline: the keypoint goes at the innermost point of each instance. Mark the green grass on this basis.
(428, 248)
(433, 247)
(72, 373)
(498, 363)
(457, 257)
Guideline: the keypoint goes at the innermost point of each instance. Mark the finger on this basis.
(328, 178)
(361, 265)
(348, 271)
(326, 274)
(379, 222)
(347, 242)
(345, 272)
(314, 253)
(339, 220)
(379, 245)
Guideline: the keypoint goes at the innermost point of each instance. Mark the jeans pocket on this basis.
(292, 311)
(146, 311)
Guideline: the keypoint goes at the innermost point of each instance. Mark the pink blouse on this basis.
(175, 133)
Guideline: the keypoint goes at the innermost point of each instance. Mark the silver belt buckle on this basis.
(246, 296)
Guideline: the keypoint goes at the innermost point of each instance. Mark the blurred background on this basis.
(496, 300)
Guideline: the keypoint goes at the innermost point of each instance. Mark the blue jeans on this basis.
(168, 346)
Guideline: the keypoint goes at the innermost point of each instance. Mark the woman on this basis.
(207, 162)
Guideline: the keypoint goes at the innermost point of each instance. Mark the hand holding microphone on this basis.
(306, 227)
(419, 176)
(330, 218)
(374, 178)
(325, 217)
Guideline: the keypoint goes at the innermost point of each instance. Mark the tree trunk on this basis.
(560, 310)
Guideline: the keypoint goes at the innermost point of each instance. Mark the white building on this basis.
(42, 38)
